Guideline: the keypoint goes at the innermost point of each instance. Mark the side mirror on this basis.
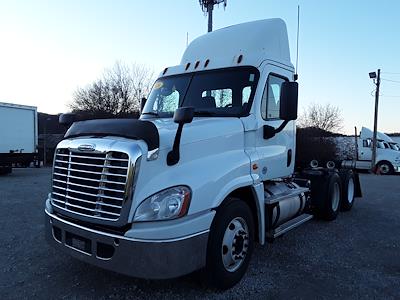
(67, 119)
(142, 103)
(289, 101)
(182, 116)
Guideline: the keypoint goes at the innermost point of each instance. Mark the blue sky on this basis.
(48, 48)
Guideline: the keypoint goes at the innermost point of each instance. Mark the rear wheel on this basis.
(230, 244)
(385, 168)
(326, 196)
(5, 170)
(348, 190)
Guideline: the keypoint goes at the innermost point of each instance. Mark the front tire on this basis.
(230, 244)
(385, 168)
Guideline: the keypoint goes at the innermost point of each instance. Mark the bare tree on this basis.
(326, 117)
(116, 93)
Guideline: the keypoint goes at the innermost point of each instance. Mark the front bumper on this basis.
(152, 259)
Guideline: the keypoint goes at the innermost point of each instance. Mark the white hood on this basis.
(200, 129)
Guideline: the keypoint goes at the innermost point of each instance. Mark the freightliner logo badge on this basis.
(87, 147)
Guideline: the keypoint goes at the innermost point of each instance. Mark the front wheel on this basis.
(385, 168)
(230, 244)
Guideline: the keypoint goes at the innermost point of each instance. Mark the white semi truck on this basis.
(387, 153)
(204, 174)
(18, 135)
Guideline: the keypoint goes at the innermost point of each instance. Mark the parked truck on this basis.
(204, 174)
(387, 153)
(18, 136)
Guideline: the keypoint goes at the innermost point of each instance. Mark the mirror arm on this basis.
(283, 125)
(270, 131)
(174, 155)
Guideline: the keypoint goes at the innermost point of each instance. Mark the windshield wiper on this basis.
(152, 113)
(204, 113)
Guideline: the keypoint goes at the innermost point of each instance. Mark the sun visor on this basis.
(128, 128)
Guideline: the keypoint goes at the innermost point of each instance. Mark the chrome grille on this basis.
(90, 184)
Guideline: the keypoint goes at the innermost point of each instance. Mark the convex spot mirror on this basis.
(288, 101)
(184, 115)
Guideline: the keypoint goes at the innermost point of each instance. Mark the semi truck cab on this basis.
(205, 173)
(387, 152)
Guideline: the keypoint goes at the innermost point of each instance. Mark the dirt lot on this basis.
(355, 256)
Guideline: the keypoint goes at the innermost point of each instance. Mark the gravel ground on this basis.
(355, 256)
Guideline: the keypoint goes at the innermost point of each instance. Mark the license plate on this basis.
(78, 244)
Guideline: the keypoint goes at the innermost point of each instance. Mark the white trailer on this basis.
(205, 173)
(18, 135)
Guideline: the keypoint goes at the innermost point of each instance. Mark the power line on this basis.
(393, 73)
(390, 96)
(396, 81)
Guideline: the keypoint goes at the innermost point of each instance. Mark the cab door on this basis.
(365, 149)
(276, 154)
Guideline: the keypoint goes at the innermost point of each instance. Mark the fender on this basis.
(257, 195)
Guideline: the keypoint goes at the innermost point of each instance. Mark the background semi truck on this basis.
(387, 153)
(205, 173)
(18, 135)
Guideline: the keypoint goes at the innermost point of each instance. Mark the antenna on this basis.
(296, 75)
(187, 39)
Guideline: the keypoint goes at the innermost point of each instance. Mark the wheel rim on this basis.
(384, 168)
(235, 244)
(350, 190)
(335, 196)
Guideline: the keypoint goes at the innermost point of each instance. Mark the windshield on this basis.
(394, 146)
(227, 92)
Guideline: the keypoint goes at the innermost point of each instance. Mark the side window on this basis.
(366, 143)
(270, 102)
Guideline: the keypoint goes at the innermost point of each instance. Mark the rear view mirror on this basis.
(288, 101)
(182, 116)
(67, 119)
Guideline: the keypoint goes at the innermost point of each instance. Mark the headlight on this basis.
(168, 204)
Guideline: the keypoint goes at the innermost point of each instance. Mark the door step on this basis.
(291, 224)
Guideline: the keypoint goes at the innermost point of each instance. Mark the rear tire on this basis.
(348, 189)
(5, 170)
(326, 196)
(230, 244)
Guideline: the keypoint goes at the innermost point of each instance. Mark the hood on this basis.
(199, 129)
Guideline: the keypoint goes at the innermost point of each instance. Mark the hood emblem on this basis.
(87, 147)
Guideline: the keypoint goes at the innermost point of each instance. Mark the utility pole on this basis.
(378, 83)
(208, 6)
